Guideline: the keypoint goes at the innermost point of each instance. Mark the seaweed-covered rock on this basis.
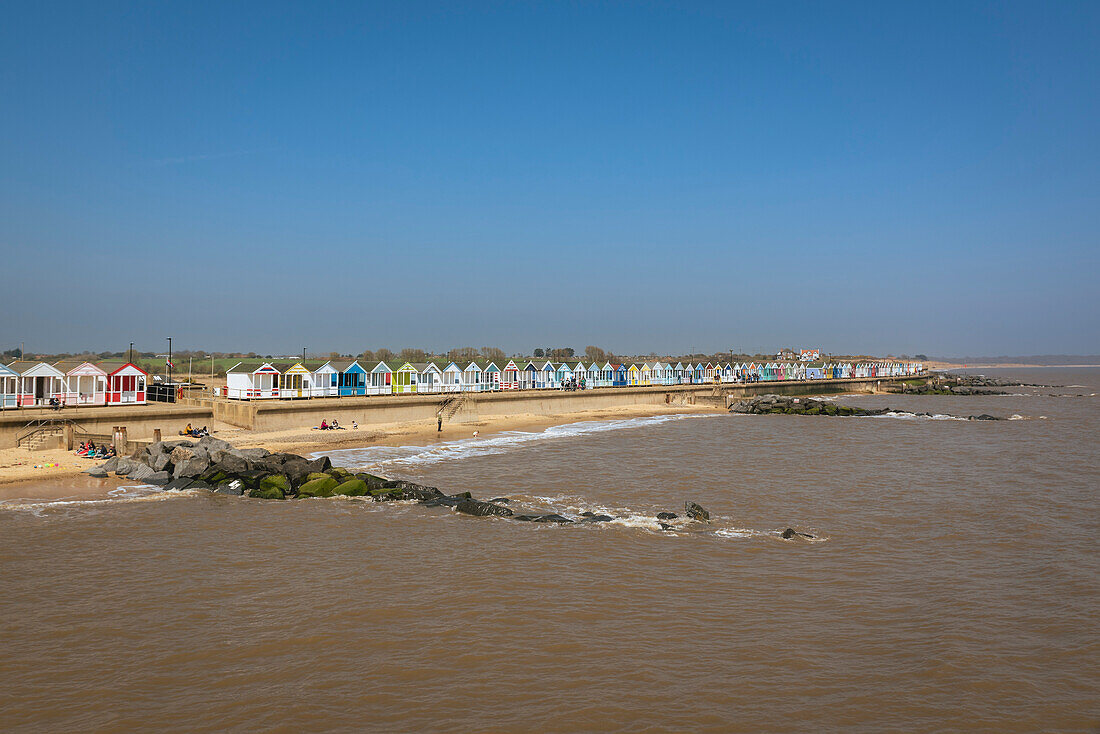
(372, 481)
(437, 501)
(352, 488)
(276, 481)
(315, 475)
(696, 512)
(321, 487)
(482, 509)
(268, 493)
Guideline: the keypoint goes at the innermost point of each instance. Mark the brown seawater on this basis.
(953, 585)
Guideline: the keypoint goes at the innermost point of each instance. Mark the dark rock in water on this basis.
(97, 471)
(526, 518)
(372, 481)
(321, 463)
(598, 518)
(159, 478)
(419, 492)
(441, 501)
(501, 500)
(236, 488)
(231, 464)
(665, 526)
(276, 481)
(463, 496)
(696, 512)
(192, 467)
(984, 417)
(269, 493)
(177, 484)
(296, 470)
(198, 484)
(667, 516)
(553, 517)
(482, 509)
(792, 533)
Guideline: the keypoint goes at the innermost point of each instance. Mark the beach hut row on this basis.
(71, 383)
(263, 380)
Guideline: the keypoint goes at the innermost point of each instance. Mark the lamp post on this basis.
(130, 358)
(169, 360)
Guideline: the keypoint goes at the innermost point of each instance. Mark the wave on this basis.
(499, 443)
(119, 495)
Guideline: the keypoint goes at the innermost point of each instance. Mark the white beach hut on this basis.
(39, 383)
(452, 378)
(381, 380)
(471, 378)
(252, 381)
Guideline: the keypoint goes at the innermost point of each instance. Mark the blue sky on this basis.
(867, 177)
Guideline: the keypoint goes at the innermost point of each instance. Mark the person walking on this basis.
(439, 422)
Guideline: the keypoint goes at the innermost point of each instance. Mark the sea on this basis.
(951, 583)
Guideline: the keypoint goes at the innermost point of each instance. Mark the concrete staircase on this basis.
(453, 404)
(46, 437)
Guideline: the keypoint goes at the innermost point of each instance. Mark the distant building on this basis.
(809, 355)
(784, 355)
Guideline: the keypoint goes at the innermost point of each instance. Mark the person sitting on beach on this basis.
(354, 426)
(335, 424)
(186, 431)
(324, 425)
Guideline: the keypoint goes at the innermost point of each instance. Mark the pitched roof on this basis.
(23, 368)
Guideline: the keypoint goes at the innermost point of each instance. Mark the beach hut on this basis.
(528, 377)
(85, 383)
(351, 377)
(38, 383)
(429, 378)
(491, 377)
(471, 378)
(9, 387)
(381, 380)
(580, 374)
(645, 374)
(252, 381)
(620, 376)
(699, 375)
(324, 381)
(632, 373)
(509, 376)
(563, 374)
(294, 380)
(404, 379)
(708, 372)
(452, 378)
(125, 383)
(547, 377)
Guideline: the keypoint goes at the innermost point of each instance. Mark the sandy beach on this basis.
(58, 473)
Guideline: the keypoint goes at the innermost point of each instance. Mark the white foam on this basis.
(119, 495)
(407, 456)
(913, 416)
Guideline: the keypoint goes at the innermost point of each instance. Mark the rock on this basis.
(253, 454)
(501, 500)
(140, 473)
(162, 462)
(481, 509)
(276, 481)
(274, 493)
(553, 517)
(199, 484)
(526, 518)
(321, 487)
(438, 501)
(111, 465)
(321, 464)
(214, 444)
(372, 481)
(463, 496)
(665, 526)
(315, 475)
(352, 488)
(792, 533)
(159, 478)
(667, 516)
(231, 464)
(192, 467)
(177, 484)
(296, 469)
(696, 512)
(984, 417)
(235, 488)
(598, 518)
(124, 466)
(97, 471)
(340, 473)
